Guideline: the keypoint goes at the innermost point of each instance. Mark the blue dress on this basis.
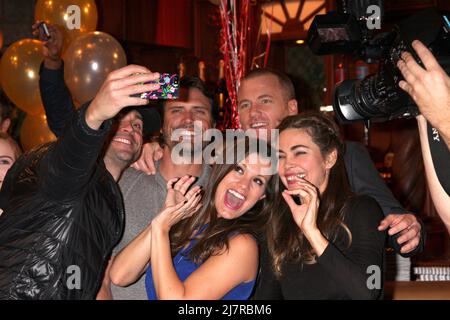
(185, 266)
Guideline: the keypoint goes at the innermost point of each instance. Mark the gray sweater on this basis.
(143, 196)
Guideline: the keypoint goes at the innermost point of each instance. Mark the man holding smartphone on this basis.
(62, 208)
(143, 194)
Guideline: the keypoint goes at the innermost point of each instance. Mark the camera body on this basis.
(378, 96)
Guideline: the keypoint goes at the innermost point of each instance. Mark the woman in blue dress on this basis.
(205, 249)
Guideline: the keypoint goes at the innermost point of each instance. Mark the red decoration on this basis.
(234, 50)
(238, 50)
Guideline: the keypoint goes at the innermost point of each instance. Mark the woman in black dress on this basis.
(323, 243)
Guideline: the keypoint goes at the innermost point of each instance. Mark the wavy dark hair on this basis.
(216, 235)
(285, 241)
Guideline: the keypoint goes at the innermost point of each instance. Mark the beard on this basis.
(127, 157)
(122, 158)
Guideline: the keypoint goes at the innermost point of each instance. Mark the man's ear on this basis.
(331, 159)
(292, 107)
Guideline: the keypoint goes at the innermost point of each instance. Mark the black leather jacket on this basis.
(63, 214)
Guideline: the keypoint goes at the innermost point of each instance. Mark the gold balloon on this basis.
(35, 131)
(20, 74)
(74, 16)
(88, 61)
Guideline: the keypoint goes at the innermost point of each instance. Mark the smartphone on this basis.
(44, 34)
(168, 88)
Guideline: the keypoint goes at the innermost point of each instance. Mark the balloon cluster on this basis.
(89, 56)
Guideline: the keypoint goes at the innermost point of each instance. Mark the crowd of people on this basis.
(99, 214)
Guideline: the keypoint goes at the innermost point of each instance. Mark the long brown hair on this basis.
(285, 241)
(216, 235)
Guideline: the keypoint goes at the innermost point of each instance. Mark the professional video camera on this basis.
(378, 96)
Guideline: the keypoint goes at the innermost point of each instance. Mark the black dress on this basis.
(355, 272)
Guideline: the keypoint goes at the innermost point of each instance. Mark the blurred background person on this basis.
(9, 152)
(5, 110)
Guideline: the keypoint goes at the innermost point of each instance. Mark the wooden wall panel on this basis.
(207, 37)
(140, 20)
(156, 58)
(444, 5)
(134, 23)
(111, 17)
(407, 5)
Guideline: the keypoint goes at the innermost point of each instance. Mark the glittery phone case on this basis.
(169, 86)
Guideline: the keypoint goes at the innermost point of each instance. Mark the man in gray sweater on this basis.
(144, 194)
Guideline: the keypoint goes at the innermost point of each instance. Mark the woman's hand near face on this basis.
(180, 203)
(305, 214)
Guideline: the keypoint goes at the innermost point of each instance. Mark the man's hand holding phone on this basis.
(118, 91)
(53, 39)
(168, 88)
